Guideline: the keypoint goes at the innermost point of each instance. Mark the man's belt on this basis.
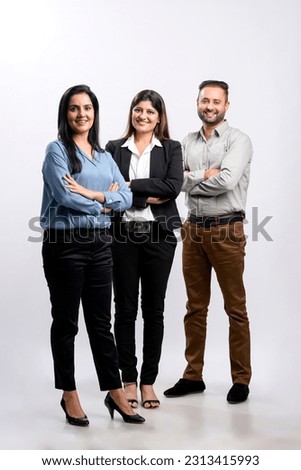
(218, 220)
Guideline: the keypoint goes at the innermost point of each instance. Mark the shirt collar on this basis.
(130, 143)
(219, 130)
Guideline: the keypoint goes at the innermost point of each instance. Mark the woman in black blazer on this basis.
(144, 243)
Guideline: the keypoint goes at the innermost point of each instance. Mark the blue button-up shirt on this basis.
(62, 208)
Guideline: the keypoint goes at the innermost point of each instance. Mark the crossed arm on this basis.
(208, 173)
(77, 188)
(99, 196)
(216, 181)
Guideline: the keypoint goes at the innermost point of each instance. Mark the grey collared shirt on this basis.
(229, 150)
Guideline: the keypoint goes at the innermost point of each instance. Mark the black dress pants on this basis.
(140, 260)
(78, 267)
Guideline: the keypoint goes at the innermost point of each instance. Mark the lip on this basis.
(210, 115)
(142, 123)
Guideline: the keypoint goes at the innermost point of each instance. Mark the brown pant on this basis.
(223, 248)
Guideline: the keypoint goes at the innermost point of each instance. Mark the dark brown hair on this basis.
(161, 129)
(216, 83)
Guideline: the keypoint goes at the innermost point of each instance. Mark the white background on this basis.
(118, 48)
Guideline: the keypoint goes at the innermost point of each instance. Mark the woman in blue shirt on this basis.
(76, 249)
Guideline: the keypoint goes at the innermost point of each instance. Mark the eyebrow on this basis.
(78, 106)
(213, 99)
(147, 109)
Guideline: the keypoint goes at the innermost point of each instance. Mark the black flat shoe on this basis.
(111, 405)
(238, 393)
(75, 421)
(185, 387)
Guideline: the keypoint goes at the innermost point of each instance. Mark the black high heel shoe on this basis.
(75, 421)
(111, 405)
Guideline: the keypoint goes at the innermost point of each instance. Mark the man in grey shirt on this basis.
(217, 168)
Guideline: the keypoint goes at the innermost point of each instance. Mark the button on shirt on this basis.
(229, 150)
(140, 168)
(62, 208)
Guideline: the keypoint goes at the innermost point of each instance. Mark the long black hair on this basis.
(65, 133)
(161, 129)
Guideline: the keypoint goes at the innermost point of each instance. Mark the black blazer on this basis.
(165, 181)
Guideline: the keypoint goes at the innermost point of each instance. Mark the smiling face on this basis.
(212, 105)
(80, 113)
(145, 117)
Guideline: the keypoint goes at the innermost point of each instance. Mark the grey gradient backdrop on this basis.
(119, 47)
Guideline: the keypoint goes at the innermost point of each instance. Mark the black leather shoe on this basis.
(75, 421)
(238, 393)
(111, 405)
(185, 387)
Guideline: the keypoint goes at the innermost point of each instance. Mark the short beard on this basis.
(219, 118)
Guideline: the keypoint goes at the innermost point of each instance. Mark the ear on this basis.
(227, 105)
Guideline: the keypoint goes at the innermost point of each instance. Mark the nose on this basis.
(143, 114)
(81, 112)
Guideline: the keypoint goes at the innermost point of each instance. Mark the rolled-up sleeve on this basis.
(122, 199)
(234, 164)
(54, 169)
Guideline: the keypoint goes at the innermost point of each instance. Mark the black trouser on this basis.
(144, 258)
(78, 267)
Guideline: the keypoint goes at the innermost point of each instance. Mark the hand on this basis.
(211, 172)
(113, 187)
(156, 200)
(75, 187)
